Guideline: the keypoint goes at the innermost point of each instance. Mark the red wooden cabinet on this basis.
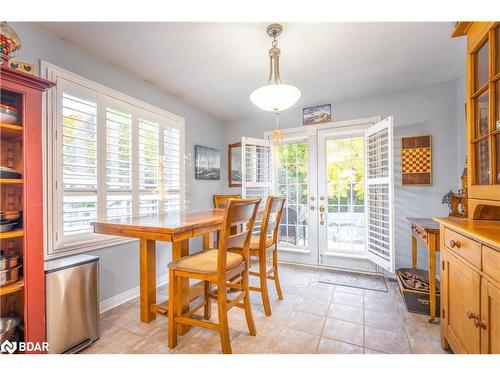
(21, 150)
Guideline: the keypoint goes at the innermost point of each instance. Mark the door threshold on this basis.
(330, 268)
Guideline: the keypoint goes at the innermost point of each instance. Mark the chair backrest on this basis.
(271, 219)
(220, 200)
(237, 212)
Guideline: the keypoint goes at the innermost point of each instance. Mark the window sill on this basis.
(86, 246)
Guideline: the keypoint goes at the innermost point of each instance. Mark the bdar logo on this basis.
(8, 347)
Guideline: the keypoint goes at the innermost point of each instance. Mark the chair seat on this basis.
(205, 262)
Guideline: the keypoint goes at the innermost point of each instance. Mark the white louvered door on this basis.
(380, 194)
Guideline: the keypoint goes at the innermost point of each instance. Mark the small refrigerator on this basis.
(72, 303)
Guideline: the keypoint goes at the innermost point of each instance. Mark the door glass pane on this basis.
(482, 115)
(292, 172)
(345, 218)
(482, 163)
(497, 105)
(497, 39)
(497, 138)
(482, 58)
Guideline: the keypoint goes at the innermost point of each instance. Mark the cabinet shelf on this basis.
(12, 288)
(11, 181)
(11, 132)
(11, 234)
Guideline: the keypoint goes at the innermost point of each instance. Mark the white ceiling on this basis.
(215, 66)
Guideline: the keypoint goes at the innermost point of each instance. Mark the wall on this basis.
(119, 270)
(436, 110)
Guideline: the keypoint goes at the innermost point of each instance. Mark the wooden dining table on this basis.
(174, 227)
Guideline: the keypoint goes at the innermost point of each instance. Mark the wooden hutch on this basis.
(470, 247)
(21, 150)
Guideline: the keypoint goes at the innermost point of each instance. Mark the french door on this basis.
(338, 180)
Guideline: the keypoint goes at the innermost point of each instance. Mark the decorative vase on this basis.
(10, 44)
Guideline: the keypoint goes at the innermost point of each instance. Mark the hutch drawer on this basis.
(491, 263)
(464, 247)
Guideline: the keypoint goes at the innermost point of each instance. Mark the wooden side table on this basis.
(426, 231)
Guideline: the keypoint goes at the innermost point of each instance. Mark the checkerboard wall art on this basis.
(416, 160)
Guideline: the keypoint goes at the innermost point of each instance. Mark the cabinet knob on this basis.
(471, 315)
(454, 244)
(481, 323)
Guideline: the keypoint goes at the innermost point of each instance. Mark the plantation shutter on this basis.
(256, 165)
(171, 169)
(118, 162)
(379, 194)
(78, 108)
(149, 151)
(256, 168)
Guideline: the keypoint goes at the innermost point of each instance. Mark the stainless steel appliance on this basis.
(72, 302)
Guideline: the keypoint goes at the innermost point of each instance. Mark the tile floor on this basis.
(312, 318)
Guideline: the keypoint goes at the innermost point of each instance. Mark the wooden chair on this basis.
(219, 267)
(220, 200)
(261, 245)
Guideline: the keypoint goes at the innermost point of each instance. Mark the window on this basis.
(109, 156)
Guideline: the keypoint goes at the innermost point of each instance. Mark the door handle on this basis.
(322, 215)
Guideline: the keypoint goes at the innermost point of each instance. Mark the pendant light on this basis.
(275, 96)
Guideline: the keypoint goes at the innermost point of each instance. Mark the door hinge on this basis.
(57, 236)
(443, 314)
(442, 265)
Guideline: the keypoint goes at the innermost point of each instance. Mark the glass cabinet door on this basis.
(485, 95)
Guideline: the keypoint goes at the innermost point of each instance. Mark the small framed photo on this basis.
(317, 114)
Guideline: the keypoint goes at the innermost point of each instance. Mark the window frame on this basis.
(55, 244)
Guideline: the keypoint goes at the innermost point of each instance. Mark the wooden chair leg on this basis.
(207, 311)
(223, 321)
(275, 274)
(263, 285)
(247, 306)
(172, 297)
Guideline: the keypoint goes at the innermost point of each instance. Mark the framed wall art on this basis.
(317, 114)
(234, 164)
(207, 163)
(416, 160)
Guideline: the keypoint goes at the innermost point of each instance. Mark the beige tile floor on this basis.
(312, 318)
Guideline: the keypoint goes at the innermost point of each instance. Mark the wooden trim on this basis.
(461, 28)
(24, 79)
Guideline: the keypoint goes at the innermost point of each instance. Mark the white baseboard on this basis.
(128, 295)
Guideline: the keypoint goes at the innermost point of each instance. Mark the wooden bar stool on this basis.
(220, 200)
(261, 245)
(219, 267)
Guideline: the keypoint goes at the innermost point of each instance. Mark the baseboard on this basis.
(128, 295)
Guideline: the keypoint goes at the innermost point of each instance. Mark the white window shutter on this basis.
(78, 159)
(380, 194)
(256, 165)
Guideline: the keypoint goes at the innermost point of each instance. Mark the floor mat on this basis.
(354, 280)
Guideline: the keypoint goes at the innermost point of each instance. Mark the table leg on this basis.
(208, 240)
(181, 249)
(432, 278)
(414, 251)
(147, 279)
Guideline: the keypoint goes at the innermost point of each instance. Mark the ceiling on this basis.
(215, 66)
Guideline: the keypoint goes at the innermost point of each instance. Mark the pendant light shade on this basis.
(275, 96)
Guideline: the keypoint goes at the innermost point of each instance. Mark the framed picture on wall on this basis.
(234, 164)
(317, 114)
(207, 163)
